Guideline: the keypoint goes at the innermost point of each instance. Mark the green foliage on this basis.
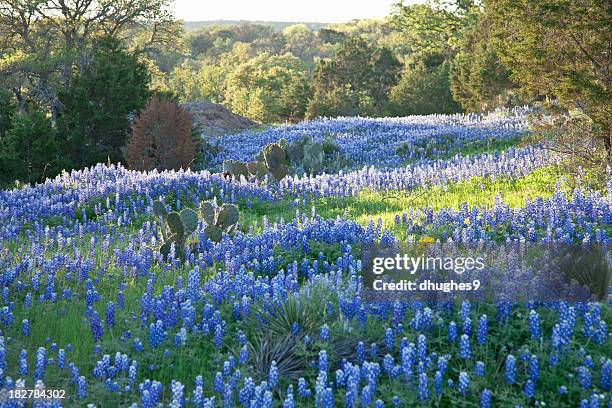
(7, 110)
(435, 27)
(479, 80)
(268, 88)
(30, 151)
(560, 50)
(355, 81)
(424, 89)
(95, 120)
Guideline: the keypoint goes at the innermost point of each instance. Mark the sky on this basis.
(323, 11)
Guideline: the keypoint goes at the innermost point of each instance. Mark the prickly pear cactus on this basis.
(207, 211)
(190, 221)
(275, 157)
(257, 169)
(236, 169)
(219, 220)
(175, 228)
(313, 158)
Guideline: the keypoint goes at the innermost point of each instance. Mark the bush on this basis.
(161, 138)
(423, 90)
(95, 119)
(29, 151)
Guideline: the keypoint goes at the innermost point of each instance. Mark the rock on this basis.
(215, 120)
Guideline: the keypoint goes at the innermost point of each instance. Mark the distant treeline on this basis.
(72, 78)
(276, 25)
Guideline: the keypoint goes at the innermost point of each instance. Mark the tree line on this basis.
(74, 75)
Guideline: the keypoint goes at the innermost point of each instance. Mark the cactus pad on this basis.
(228, 216)
(190, 220)
(175, 224)
(213, 233)
(207, 210)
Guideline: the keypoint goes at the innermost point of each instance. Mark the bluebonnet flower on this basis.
(421, 347)
(61, 358)
(465, 350)
(510, 369)
(480, 369)
(96, 327)
(327, 398)
(485, 398)
(534, 325)
(464, 383)
(423, 387)
(585, 379)
(218, 384)
(481, 333)
(534, 368)
(324, 332)
(529, 389)
(25, 328)
(323, 361)
(360, 352)
(110, 315)
(81, 388)
(23, 362)
(605, 379)
(273, 375)
(157, 334)
(452, 332)
(389, 339)
(41, 364)
(303, 390)
(438, 383)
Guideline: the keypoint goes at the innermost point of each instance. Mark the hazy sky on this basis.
(324, 11)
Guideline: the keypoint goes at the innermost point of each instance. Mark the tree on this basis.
(29, 151)
(331, 36)
(299, 41)
(268, 88)
(161, 138)
(479, 80)
(95, 122)
(358, 75)
(435, 27)
(7, 110)
(424, 89)
(43, 42)
(560, 50)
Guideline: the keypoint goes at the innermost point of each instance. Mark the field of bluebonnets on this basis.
(272, 315)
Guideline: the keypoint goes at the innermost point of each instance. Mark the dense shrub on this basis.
(424, 89)
(94, 122)
(29, 150)
(161, 138)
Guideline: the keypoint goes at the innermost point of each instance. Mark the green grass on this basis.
(370, 205)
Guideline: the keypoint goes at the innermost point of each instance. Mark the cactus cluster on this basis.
(219, 220)
(275, 159)
(272, 159)
(175, 227)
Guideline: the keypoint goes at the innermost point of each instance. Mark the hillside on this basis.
(276, 25)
